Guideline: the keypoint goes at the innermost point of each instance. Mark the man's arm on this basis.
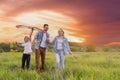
(33, 42)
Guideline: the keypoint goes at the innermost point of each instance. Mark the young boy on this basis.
(27, 50)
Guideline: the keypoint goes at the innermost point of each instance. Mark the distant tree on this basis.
(1, 50)
(90, 48)
(5, 47)
(106, 48)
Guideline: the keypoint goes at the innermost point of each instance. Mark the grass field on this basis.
(80, 66)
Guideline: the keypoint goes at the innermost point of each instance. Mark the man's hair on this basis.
(45, 25)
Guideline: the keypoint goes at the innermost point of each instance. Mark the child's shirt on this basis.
(27, 47)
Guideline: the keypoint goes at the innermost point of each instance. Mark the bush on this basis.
(1, 50)
(5, 47)
(106, 49)
(90, 49)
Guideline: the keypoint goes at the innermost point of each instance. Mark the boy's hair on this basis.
(45, 25)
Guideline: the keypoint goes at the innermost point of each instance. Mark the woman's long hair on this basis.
(60, 30)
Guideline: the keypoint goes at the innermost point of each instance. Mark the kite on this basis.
(29, 27)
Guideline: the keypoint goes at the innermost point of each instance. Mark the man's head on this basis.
(45, 27)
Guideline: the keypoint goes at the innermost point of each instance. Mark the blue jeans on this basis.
(59, 60)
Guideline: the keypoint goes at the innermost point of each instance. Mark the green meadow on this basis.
(79, 66)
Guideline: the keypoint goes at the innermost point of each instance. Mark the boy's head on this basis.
(26, 39)
(45, 26)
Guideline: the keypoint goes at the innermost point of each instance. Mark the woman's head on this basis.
(60, 32)
(26, 39)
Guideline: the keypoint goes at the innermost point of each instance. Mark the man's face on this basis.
(46, 28)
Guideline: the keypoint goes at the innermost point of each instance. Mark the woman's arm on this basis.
(68, 47)
(53, 42)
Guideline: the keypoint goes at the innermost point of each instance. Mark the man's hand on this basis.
(48, 40)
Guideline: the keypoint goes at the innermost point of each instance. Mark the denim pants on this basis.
(59, 60)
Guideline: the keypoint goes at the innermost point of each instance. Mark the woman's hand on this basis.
(48, 40)
(70, 52)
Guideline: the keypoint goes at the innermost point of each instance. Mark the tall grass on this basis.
(79, 66)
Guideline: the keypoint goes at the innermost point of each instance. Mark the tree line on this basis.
(8, 47)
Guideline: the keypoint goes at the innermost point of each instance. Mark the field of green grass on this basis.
(79, 66)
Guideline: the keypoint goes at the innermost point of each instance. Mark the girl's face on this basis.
(26, 39)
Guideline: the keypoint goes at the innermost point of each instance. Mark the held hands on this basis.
(48, 40)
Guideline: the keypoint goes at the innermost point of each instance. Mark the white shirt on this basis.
(59, 44)
(27, 47)
(43, 43)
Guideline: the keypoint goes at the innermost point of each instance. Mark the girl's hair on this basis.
(61, 30)
(26, 37)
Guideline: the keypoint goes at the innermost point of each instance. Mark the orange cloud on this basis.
(93, 21)
(112, 43)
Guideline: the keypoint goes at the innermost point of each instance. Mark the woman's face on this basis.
(61, 33)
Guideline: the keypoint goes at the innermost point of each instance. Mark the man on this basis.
(42, 40)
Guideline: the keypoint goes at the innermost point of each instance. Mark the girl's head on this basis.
(26, 39)
(60, 32)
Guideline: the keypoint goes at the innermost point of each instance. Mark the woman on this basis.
(61, 47)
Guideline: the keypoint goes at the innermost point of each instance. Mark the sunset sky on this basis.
(84, 21)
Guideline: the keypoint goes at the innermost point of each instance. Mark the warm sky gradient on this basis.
(87, 21)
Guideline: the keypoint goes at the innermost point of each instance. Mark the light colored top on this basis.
(59, 43)
(65, 45)
(27, 47)
(38, 39)
(43, 42)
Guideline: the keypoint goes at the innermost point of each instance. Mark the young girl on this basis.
(27, 51)
(61, 47)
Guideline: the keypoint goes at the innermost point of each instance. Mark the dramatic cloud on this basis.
(97, 21)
